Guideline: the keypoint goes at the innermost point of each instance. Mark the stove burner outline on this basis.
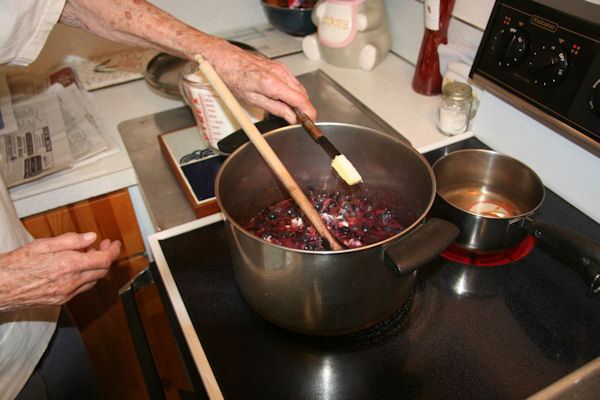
(490, 259)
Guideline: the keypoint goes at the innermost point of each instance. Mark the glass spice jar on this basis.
(454, 108)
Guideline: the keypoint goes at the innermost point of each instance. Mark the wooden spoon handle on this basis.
(266, 151)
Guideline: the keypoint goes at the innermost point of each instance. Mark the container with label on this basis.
(427, 79)
(455, 108)
(213, 118)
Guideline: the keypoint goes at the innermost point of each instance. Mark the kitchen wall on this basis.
(407, 25)
(405, 16)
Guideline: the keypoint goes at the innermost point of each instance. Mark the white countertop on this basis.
(386, 90)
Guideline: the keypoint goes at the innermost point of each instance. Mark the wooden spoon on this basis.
(266, 151)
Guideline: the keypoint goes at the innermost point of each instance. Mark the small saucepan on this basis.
(491, 197)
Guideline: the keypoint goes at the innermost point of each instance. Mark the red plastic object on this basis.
(427, 79)
(490, 259)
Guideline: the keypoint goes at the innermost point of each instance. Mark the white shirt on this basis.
(24, 28)
(24, 334)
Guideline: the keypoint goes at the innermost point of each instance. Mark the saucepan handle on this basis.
(420, 246)
(577, 251)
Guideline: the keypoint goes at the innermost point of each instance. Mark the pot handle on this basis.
(578, 252)
(420, 246)
(236, 139)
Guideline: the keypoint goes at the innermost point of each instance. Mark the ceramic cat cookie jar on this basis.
(350, 34)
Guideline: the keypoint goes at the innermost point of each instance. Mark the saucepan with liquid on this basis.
(491, 198)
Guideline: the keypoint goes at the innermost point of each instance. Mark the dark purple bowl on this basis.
(295, 21)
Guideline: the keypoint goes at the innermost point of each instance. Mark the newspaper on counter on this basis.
(24, 86)
(113, 69)
(266, 39)
(55, 126)
(84, 134)
(39, 146)
(8, 123)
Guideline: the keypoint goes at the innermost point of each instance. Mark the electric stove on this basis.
(497, 330)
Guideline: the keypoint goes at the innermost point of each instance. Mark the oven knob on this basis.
(548, 65)
(509, 46)
(595, 98)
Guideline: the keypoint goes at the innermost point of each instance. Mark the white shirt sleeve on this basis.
(24, 334)
(24, 28)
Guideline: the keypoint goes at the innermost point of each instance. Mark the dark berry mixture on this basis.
(354, 222)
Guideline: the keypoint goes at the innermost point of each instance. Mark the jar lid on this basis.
(457, 91)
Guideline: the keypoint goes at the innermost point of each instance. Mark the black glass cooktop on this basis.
(466, 332)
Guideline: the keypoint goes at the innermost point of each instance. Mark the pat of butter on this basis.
(346, 170)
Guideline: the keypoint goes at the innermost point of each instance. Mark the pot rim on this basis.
(518, 217)
(383, 243)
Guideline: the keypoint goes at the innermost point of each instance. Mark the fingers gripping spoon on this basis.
(266, 152)
(340, 163)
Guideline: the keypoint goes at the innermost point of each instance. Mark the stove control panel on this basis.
(546, 62)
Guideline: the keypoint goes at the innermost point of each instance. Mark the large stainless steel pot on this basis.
(491, 198)
(331, 292)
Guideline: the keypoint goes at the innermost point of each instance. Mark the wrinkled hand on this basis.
(54, 270)
(260, 81)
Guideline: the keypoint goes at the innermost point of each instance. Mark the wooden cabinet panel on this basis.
(110, 216)
(83, 215)
(103, 325)
(60, 221)
(124, 218)
(98, 312)
(38, 226)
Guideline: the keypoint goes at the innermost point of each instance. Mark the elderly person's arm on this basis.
(262, 82)
(51, 271)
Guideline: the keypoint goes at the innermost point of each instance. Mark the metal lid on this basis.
(163, 72)
(457, 91)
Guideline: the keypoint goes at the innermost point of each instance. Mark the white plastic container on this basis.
(213, 119)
